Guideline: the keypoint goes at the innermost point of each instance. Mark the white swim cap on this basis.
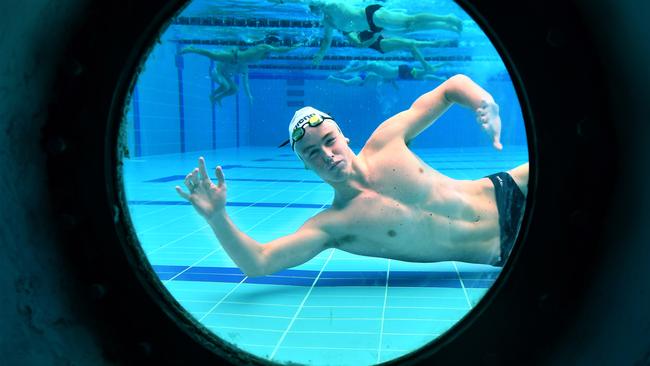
(302, 116)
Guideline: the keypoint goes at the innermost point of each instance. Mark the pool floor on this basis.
(336, 309)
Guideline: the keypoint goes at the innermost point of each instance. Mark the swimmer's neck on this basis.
(357, 182)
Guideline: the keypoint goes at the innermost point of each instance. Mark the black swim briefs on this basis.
(370, 12)
(510, 205)
(376, 45)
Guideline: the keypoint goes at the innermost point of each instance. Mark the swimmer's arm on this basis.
(256, 259)
(458, 89)
(247, 87)
(325, 43)
(353, 37)
(241, 248)
(293, 250)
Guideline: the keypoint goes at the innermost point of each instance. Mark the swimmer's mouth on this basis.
(335, 164)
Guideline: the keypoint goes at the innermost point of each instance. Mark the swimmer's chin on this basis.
(336, 173)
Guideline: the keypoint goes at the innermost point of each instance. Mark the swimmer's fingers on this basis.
(487, 116)
(203, 174)
(181, 193)
(495, 140)
(195, 177)
(496, 134)
(188, 182)
(220, 176)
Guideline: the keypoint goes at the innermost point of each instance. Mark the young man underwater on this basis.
(388, 202)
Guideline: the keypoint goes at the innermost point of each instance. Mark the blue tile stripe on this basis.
(293, 277)
(232, 204)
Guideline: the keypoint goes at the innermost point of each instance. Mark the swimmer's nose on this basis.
(328, 155)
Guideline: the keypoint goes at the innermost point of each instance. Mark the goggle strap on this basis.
(323, 118)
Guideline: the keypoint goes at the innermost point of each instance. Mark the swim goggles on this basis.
(299, 131)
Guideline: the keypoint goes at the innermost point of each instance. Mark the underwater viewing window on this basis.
(353, 243)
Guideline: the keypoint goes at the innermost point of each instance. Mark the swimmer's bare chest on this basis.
(414, 213)
(380, 226)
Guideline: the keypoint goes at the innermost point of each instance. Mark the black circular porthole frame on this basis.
(141, 323)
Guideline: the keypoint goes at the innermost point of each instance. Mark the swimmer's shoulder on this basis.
(386, 136)
(331, 220)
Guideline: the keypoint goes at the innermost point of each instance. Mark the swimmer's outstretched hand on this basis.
(487, 115)
(207, 198)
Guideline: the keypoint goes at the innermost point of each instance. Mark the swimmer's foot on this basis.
(455, 23)
(214, 99)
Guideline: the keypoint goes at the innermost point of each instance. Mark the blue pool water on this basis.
(338, 308)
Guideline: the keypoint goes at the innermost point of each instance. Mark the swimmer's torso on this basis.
(412, 212)
(345, 18)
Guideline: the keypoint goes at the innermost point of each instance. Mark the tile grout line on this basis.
(223, 298)
(383, 315)
(462, 284)
(150, 253)
(190, 266)
(295, 315)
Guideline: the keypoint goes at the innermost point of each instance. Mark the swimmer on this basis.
(361, 79)
(378, 72)
(385, 72)
(367, 22)
(235, 61)
(388, 202)
(381, 44)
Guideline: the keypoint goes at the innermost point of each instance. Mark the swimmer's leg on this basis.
(425, 21)
(422, 21)
(353, 66)
(231, 91)
(398, 43)
(353, 81)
